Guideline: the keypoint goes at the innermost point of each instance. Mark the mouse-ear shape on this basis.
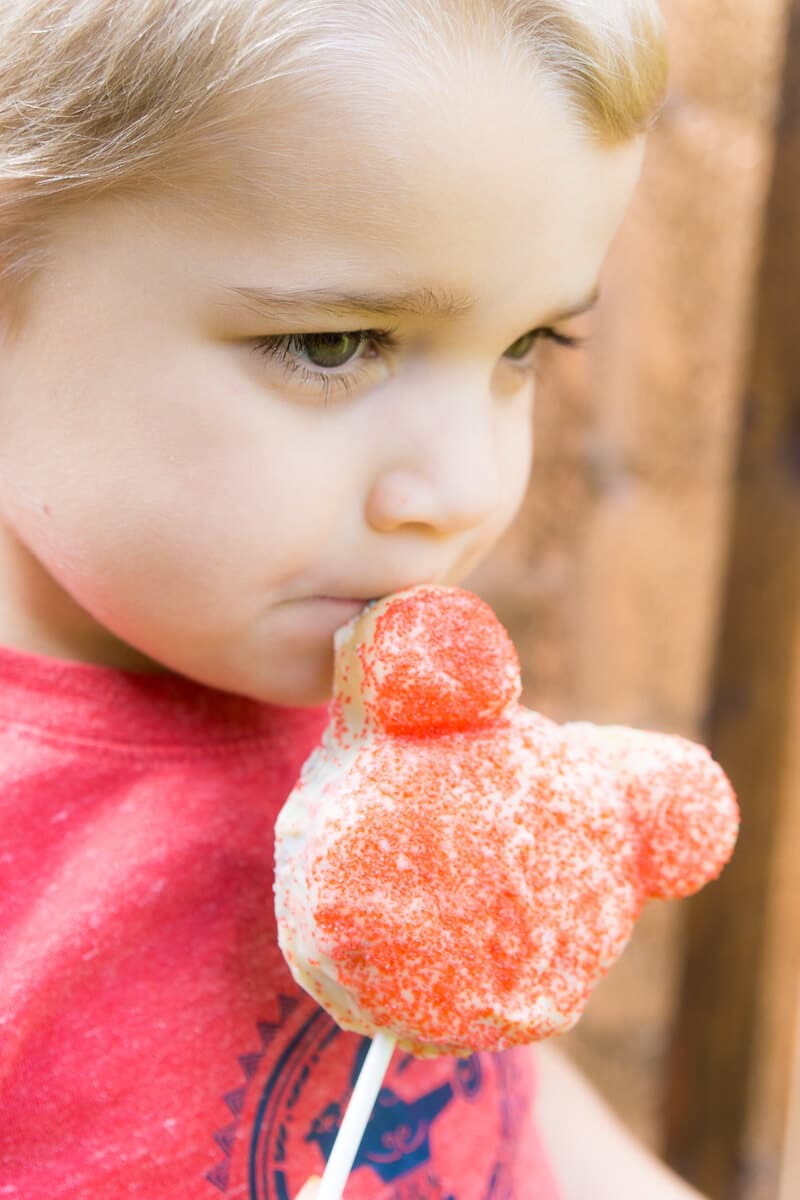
(428, 660)
(681, 804)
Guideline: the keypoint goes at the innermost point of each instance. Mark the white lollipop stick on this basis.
(351, 1131)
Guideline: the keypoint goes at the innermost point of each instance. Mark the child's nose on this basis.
(440, 467)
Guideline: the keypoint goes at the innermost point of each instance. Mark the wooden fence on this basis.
(654, 578)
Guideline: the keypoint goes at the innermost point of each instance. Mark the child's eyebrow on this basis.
(422, 302)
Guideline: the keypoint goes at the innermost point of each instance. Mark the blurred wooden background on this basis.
(653, 578)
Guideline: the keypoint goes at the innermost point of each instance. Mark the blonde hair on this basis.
(98, 95)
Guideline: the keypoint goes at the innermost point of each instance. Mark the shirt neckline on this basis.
(67, 698)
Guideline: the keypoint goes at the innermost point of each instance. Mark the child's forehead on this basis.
(366, 162)
(492, 192)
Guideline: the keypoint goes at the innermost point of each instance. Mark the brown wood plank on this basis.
(726, 1022)
(790, 1175)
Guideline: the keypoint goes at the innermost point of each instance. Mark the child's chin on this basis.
(300, 684)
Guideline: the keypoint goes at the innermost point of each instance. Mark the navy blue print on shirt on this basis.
(436, 1123)
(396, 1139)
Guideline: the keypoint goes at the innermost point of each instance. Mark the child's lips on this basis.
(322, 615)
(352, 605)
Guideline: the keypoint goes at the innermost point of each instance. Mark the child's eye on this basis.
(327, 349)
(320, 361)
(522, 348)
(317, 359)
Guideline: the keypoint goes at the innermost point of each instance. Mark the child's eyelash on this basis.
(562, 339)
(282, 345)
(287, 349)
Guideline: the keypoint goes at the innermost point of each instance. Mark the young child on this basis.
(276, 281)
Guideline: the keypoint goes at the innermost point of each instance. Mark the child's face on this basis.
(184, 482)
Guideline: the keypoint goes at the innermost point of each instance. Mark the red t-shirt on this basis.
(152, 1041)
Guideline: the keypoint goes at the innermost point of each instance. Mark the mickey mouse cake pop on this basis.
(458, 871)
